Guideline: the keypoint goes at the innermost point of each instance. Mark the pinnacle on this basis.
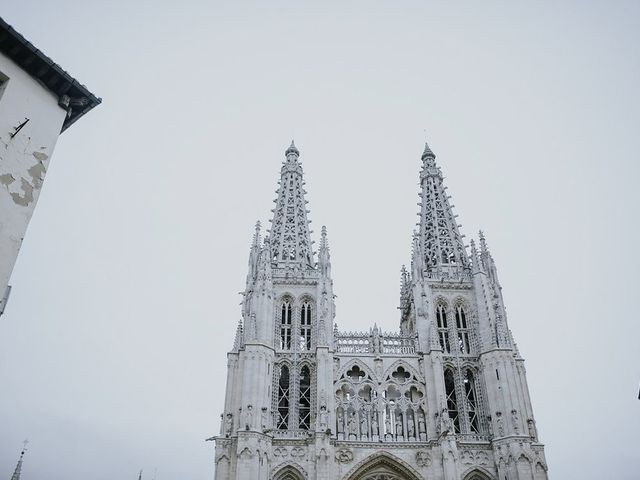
(427, 151)
(323, 238)
(292, 149)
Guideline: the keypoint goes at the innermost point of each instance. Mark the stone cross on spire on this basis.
(290, 234)
(440, 239)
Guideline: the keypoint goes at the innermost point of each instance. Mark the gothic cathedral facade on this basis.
(443, 398)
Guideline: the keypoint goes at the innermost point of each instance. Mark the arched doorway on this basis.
(288, 472)
(382, 466)
(476, 474)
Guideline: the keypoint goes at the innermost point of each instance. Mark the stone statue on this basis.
(447, 425)
(228, 425)
(265, 418)
(422, 427)
(353, 429)
(374, 423)
(323, 418)
(411, 432)
(387, 425)
(248, 417)
(363, 424)
(399, 424)
(340, 421)
(532, 429)
(515, 421)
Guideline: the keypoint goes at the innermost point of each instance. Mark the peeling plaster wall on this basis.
(24, 158)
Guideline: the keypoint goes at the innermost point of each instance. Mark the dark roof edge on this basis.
(73, 97)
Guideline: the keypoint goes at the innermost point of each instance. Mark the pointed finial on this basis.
(428, 153)
(237, 342)
(140, 475)
(483, 242)
(292, 150)
(256, 235)
(323, 238)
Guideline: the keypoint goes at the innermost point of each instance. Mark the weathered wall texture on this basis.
(24, 156)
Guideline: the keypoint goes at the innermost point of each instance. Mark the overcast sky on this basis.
(125, 294)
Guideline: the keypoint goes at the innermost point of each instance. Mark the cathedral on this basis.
(444, 397)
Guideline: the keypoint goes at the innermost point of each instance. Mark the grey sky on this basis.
(125, 300)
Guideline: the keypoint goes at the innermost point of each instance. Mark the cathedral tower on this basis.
(445, 397)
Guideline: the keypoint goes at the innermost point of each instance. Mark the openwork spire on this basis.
(440, 239)
(18, 471)
(290, 234)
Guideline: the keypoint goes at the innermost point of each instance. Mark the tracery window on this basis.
(285, 325)
(282, 422)
(472, 404)
(452, 401)
(443, 333)
(304, 404)
(305, 326)
(463, 331)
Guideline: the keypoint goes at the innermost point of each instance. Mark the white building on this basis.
(444, 397)
(38, 101)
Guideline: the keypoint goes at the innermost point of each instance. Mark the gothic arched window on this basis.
(463, 331)
(472, 404)
(443, 334)
(285, 325)
(452, 402)
(282, 422)
(304, 405)
(305, 326)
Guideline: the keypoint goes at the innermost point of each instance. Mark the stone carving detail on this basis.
(280, 452)
(423, 459)
(298, 452)
(344, 455)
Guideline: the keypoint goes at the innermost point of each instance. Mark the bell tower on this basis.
(279, 381)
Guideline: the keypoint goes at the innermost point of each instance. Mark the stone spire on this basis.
(290, 234)
(254, 255)
(18, 471)
(405, 289)
(237, 341)
(440, 239)
(501, 334)
(264, 280)
(324, 256)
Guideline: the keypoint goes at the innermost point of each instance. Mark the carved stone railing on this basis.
(277, 434)
(473, 438)
(398, 344)
(450, 275)
(375, 342)
(353, 342)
